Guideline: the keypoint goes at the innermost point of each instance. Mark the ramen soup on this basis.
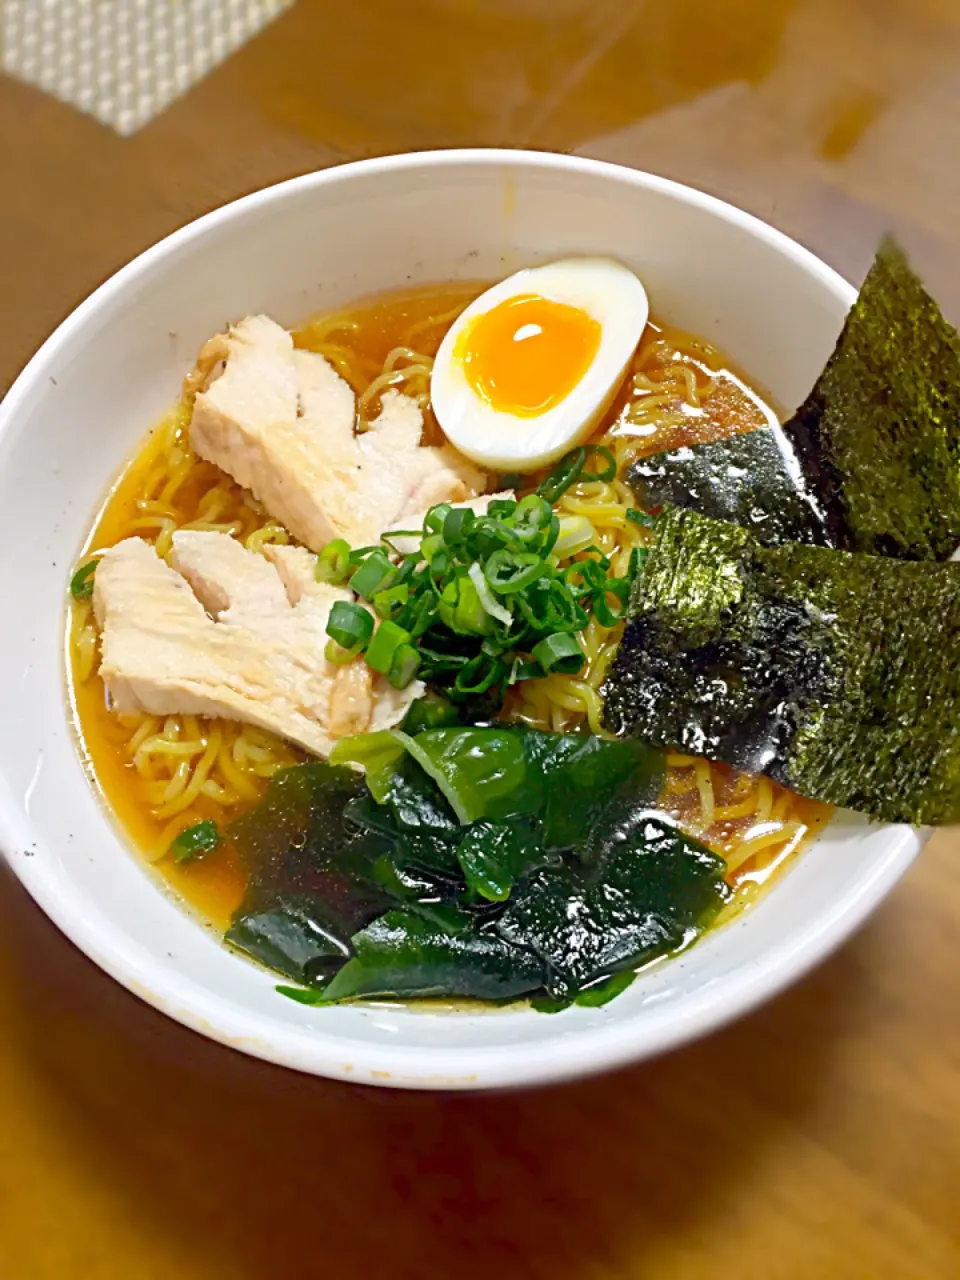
(339, 641)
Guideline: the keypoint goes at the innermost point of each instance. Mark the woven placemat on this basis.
(124, 61)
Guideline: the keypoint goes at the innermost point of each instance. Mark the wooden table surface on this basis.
(819, 1137)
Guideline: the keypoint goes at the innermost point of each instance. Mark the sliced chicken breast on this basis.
(281, 422)
(226, 632)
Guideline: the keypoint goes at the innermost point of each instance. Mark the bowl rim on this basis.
(604, 1047)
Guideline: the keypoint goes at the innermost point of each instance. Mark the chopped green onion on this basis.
(339, 656)
(333, 562)
(509, 571)
(457, 523)
(564, 474)
(196, 841)
(388, 539)
(591, 574)
(431, 545)
(559, 652)
(479, 675)
(502, 508)
(422, 614)
(638, 558)
(408, 567)
(406, 662)
(359, 554)
(607, 473)
(576, 534)
(604, 614)
(434, 520)
(382, 649)
(532, 517)
(442, 661)
(81, 584)
(642, 518)
(350, 625)
(523, 670)
(461, 609)
(487, 598)
(376, 573)
(390, 602)
(483, 600)
(550, 540)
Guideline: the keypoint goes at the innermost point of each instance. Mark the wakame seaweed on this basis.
(564, 878)
(834, 673)
(870, 461)
(311, 879)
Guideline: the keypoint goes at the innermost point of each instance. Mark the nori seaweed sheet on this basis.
(834, 673)
(752, 479)
(873, 454)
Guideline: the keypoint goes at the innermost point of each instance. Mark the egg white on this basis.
(608, 292)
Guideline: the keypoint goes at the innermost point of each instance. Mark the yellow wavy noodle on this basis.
(164, 774)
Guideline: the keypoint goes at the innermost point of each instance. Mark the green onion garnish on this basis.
(461, 608)
(388, 603)
(333, 562)
(406, 662)
(436, 516)
(350, 626)
(642, 518)
(570, 470)
(576, 535)
(376, 573)
(559, 652)
(532, 516)
(605, 614)
(382, 649)
(196, 841)
(479, 675)
(485, 600)
(336, 653)
(603, 474)
(489, 601)
(81, 584)
(523, 670)
(564, 474)
(457, 524)
(508, 571)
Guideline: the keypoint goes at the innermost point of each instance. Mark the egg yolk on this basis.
(526, 354)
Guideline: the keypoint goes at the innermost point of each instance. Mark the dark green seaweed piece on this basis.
(290, 941)
(351, 896)
(403, 954)
(584, 776)
(311, 884)
(834, 673)
(495, 854)
(870, 461)
(752, 479)
(878, 438)
(650, 891)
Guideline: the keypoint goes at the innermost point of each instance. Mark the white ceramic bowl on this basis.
(115, 365)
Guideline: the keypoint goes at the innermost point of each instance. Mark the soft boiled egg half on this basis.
(529, 368)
